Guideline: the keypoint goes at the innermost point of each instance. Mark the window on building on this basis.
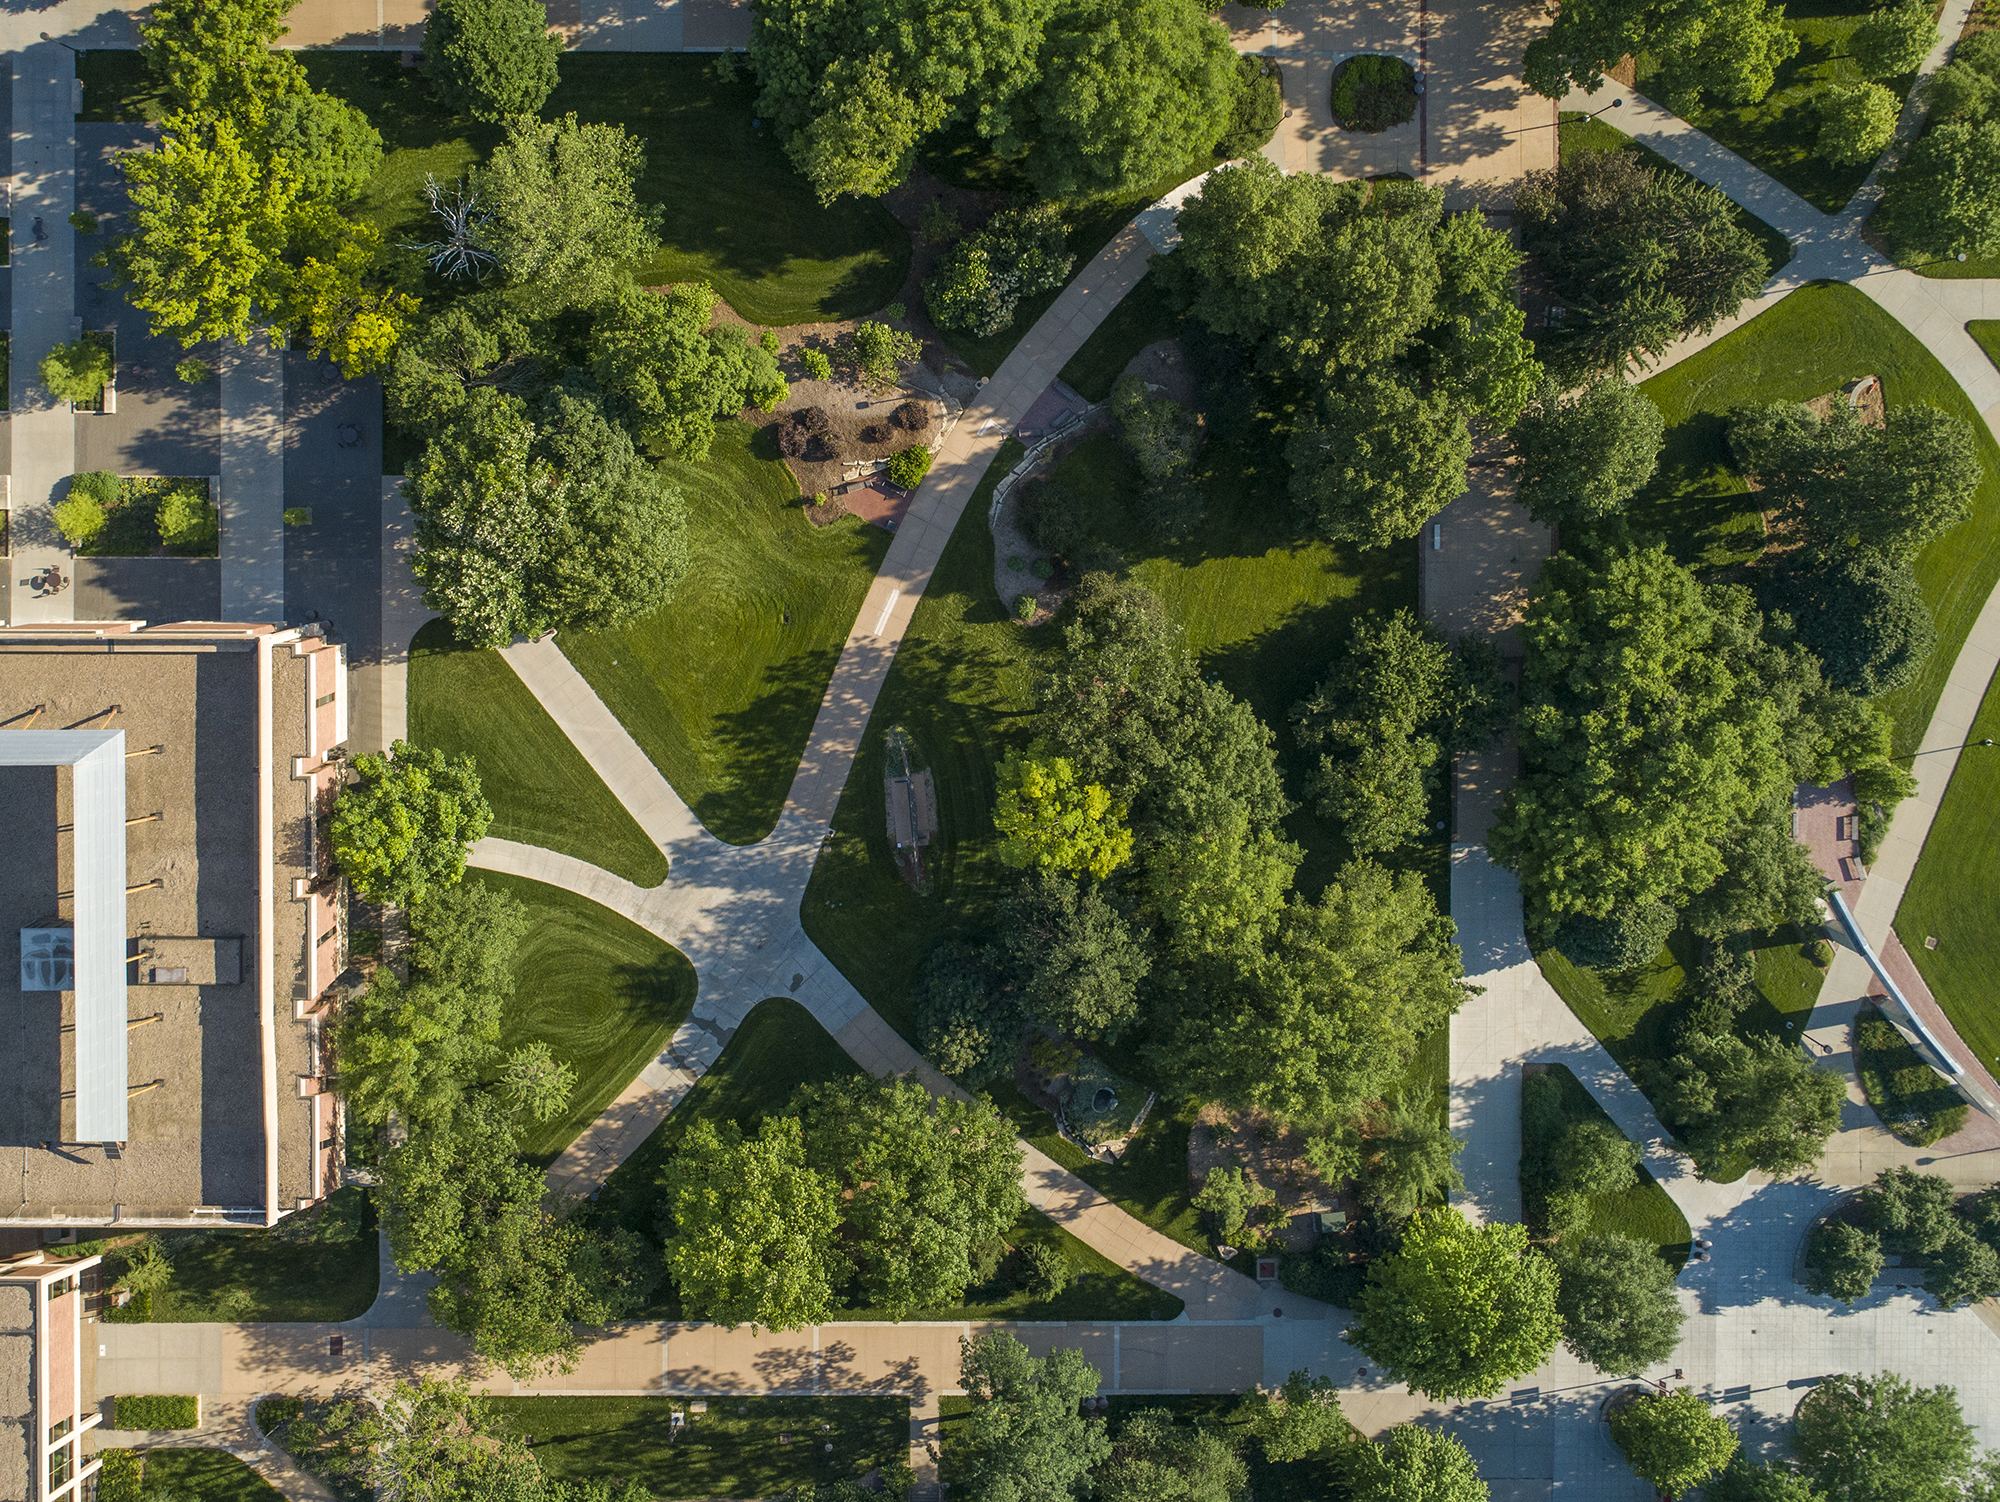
(58, 1429)
(58, 1467)
(60, 1287)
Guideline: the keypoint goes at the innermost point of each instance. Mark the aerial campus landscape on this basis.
(1030, 750)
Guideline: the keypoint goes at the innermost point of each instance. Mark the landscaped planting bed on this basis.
(1906, 1093)
(156, 1411)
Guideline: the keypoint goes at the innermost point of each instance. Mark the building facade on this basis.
(46, 1401)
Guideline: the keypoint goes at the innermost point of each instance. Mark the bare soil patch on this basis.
(1274, 1156)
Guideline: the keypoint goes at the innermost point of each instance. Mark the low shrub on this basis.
(1373, 92)
(298, 516)
(119, 1480)
(275, 1411)
(83, 223)
(937, 223)
(1324, 1273)
(877, 432)
(911, 417)
(814, 420)
(1912, 1100)
(1044, 569)
(1024, 607)
(980, 282)
(1820, 952)
(908, 468)
(1041, 1271)
(1048, 518)
(817, 366)
(768, 341)
(793, 440)
(187, 521)
(155, 1411)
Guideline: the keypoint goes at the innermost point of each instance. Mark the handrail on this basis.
(1867, 951)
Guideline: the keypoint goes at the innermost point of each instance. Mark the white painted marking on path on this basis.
(883, 624)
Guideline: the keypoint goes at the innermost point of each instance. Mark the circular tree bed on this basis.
(1373, 92)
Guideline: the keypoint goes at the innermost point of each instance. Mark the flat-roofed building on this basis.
(45, 1399)
(161, 790)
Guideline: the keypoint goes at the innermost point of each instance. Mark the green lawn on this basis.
(1579, 132)
(732, 211)
(741, 1447)
(1142, 317)
(1780, 132)
(319, 1265)
(1967, 270)
(1986, 331)
(603, 993)
(542, 790)
(1907, 1094)
(721, 685)
(1643, 1210)
(962, 160)
(1815, 341)
(1636, 1015)
(1954, 894)
(780, 1047)
(211, 1475)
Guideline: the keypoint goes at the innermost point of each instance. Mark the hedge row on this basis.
(119, 1480)
(155, 1411)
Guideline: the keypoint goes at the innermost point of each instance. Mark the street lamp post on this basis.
(1592, 115)
(61, 43)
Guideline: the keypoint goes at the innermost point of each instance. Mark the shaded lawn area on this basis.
(1780, 133)
(733, 1450)
(602, 992)
(542, 790)
(960, 158)
(1579, 132)
(1637, 1014)
(1143, 316)
(319, 1265)
(1643, 1210)
(720, 686)
(733, 213)
(1912, 1100)
(1974, 268)
(1954, 894)
(212, 1475)
(779, 1047)
(1986, 331)
(1813, 342)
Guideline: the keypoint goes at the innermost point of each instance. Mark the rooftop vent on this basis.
(48, 959)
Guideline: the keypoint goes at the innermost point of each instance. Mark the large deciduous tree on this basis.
(1724, 50)
(1025, 1439)
(1075, 960)
(1154, 1459)
(567, 223)
(1412, 1462)
(1639, 257)
(668, 375)
(1881, 1439)
(402, 830)
(1617, 1303)
(491, 59)
(1647, 731)
(1460, 1310)
(1585, 454)
(1673, 1439)
(1943, 199)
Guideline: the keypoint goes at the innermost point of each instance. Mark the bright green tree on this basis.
(407, 1051)
(1617, 1303)
(567, 223)
(434, 1441)
(1585, 454)
(1745, 1480)
(1049, 818)
(1129, 90)
(668, 375)
(535, 1081)
(1326, 1018)
(79, 518)
(1857, 121)
(1298, 1420)
(402, 829)
(1963, 1268)
(1460, 1310)
(1408, 1158)
(753, 1227)
(1075, 961)
(1232, 1198)
(491, 59)
(1895, 40)
(922, 1181)
(1414, 1464)
(1943, 199)
(1728, 50)
(216, 55)
(1220, 888)
(1647, 733)
(77, 371)
(1155, 1459)
(356, 325)
(1673, 1440)
(1881, 1439)
(452, 1182)
(1842, 1261)
(1727, 1099)
(1025, 1439)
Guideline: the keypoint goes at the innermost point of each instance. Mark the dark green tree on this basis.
(1154, 1459)
(1842, 1261)
(1727, 1099)
(1728, 50)
(1943, 198)
(1460, 1310)
(922, 1180)
(968, 1017)
(491, 59)
(668, 375)
(1299, 1419)
(328, 144)
(1745, 1480)
(1616, 1299)
(1585, 454)
(467, 936)
(1648, 735)
(980, 281)
(1768, 878)
(1894, 40)
(1076, 962)
(407, 1051)
(1621, 940)
(1881, 1439)
(1862, 615)
(1962, 1268)
(1408, 1157)
(1025, 1439)
(1968, 87)
(1384, 456)
(469, 343)
(1640, 258)
(1411, 1462)
(1911, 1211)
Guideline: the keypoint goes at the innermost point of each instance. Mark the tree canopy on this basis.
(1075, 961)
(1674, 1439)
(1725, 50)
(1410, 1463)
(1025, 1439)
(402, 830)
(1943, 198)
(1585, 454)
(1049, 819)
(491, 59)
(1883, 1439)
(1729, 1099)
(1616, 1299)
(1460, 1310)
(1640, 257)
(1156, 1460)
(567, 223)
